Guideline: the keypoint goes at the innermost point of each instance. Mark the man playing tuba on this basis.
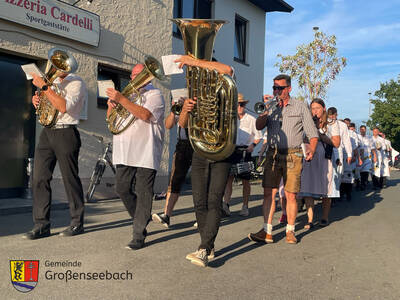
(60, 143)
(137, 154)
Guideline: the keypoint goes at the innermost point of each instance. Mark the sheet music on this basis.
(103, 85)
(31, 68)
(171, 67)
(178, 94)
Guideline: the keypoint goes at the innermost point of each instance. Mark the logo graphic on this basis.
(24, 274)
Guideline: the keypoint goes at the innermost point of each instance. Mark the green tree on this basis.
(314, 65)
(386, 112)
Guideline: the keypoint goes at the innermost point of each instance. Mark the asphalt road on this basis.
(356, 257)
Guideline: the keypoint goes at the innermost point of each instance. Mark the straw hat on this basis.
(241, 98)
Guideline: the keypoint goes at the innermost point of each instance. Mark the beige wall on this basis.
(129, 31)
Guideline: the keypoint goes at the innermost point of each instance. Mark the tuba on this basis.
(120, 118)
(212, 124)
(59, 62)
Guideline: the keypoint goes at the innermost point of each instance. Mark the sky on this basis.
(368, 35)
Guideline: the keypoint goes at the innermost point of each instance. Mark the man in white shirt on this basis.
(380, 145)
(367, 152)
(137, 154)
(60, 143)
(247, 138)
(386, 158)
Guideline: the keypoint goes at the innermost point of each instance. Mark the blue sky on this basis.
(368, 35)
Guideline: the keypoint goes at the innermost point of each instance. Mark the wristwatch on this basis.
(44, 88)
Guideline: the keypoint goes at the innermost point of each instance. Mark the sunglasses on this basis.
(242, 104)
(279, 88)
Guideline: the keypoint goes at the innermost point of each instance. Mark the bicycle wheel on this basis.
(94, 181)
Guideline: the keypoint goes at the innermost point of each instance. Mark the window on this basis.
(191, 9)
(240, 39)
(120, 78)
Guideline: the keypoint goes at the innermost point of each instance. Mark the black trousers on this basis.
(62, 146)
(364, 179)
(135, 188)
(208, 183)
(181, 162)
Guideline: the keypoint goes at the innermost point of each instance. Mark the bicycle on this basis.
(102, 161)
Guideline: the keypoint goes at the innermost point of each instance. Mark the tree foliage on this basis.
(314, 65)
(386, 112)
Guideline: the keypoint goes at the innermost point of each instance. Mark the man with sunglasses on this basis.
(247, 138)
(286, 121)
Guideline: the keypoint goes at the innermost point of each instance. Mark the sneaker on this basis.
(225, 209)
(261, 237)
(195, 225)
(244, 211)
(192, 255)
(37, 233)
(290, 237)
(201, 258)
(72, 230)
(162, 219)
(135, 244)
(283, 219)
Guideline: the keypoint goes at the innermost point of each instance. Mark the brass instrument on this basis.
(212, 124)
(59, 62)
(261, 107)
(120, 118)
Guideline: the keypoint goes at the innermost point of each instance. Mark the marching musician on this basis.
(60, 143)
(247, 139)
(137, 154)
(286, 123)
(209, 178)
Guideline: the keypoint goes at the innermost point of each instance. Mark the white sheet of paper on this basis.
(103, 85)
(178, 94)
(171, 67)
(31, 68)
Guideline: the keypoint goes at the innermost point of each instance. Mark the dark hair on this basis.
(347, 119)
(323, 121)
(363, 126)
(332, 111)
(286, 77)
(352, 125)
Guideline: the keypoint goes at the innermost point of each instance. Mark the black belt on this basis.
(62, 126)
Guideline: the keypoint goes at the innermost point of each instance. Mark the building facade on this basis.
(107, 38)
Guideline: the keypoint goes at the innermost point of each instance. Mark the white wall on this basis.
(129, 31)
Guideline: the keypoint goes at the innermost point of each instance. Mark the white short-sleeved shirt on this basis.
(73, 90)
(367, 144)
(353, 139)
(345, 142)
(333, 129)
(140, 145)
(247, 132)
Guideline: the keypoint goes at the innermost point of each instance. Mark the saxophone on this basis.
(59, 62)
(212, 124)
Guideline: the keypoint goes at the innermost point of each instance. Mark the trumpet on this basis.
(261, 107)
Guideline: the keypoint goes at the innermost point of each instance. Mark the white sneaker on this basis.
(244, 211)
(192, 255)
(225, 209)
(201, 259)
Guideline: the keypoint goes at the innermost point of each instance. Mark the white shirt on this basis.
(140, 145)
(367, 144)
(74, 91)
(345, 142)
(247, 132)
(354, 139)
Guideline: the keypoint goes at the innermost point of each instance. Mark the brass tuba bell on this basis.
(120, 118)
(212, 124)
(59, 62)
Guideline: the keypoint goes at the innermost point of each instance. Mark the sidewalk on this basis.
(104, 191)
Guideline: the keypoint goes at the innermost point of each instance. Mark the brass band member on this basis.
(137, 154)
(59, 143)
(286, 123)
(209, 179)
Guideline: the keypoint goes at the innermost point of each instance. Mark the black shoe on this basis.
(135, 244)
(163, 219)
(72, 230)
(37, 233)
